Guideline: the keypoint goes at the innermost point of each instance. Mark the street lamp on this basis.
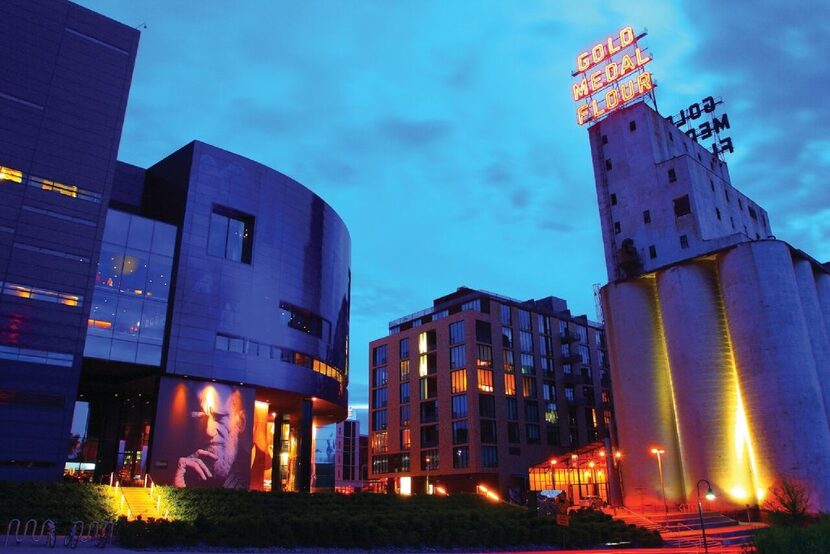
(710, 495)
(659, 452)
(428, 460)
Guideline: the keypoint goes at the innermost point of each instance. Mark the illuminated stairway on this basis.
(139, 503)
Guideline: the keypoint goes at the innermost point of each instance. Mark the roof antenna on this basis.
(141, 26)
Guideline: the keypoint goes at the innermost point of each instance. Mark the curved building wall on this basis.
(776, 366)
(705, 381)
(274, 313)
(811, 306)
(642, 390)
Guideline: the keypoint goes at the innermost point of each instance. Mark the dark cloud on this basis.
(520, 198)
(497, 174)
(335, 171)
(551, 224)
(412, 133)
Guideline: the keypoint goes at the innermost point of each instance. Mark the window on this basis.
(458, 381)
(406, 439)
(533, 435)
(429, 411)
(489, 456)
(524, 320)
(549, 391)
(459, 406)
(404, 370)
(483, 332)
(726, 193)
(457, 332)
(526, 341)
(429, 435)
(672, 175)
(426, 342)
(404, 393)
(485, 356)
(513, 433)
(509, 366)
(230, 235)
(569, 393)
(740, 204)
(613, 199)
(457, 357)
(485, 380)
(379, 420)
(429, 387)
(459, 432)
(404, 415)
(505, 314)
(604, 139)
(380, 442)
(632, 126)
(379, 398)
(488, 431)
(652, 251)
(487, 405)
(527, 364)
(607, 165)
(553, 433)
(312, 324)
(507, 337)
(752, 212)
(529, 387)
(429, 459)
(682, 206)
(717, 213)
(460, 457)
(427, 364)
(532, 411)
(646, 217)
(684, 241)
(617, 228)
(380, 464)
(379, 377)
(551, 413)
(509, 384)
(379, 356)
(512, 409)
(404, 348)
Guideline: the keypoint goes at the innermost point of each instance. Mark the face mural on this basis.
(203, 435)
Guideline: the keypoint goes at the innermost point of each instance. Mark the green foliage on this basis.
(814, 539)
(63, 503)
(235, 519)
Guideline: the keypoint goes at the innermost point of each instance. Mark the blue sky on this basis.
(444, 133)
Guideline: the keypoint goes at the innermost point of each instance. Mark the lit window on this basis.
(9, 174)
(529, 387)
(458, 381)
(485, 380)
(509, 384)
(230, 235)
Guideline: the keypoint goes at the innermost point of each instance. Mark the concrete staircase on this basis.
(682, 529)
(139, 503)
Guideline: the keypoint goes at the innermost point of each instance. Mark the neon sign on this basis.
(707, 129)
(611, 74)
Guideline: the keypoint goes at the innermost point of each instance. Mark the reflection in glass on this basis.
(109, 267)
(149, 354)
(128, 318)
(152, 322)
(164, 239)
(141, 232)
(102, 314)
(134, 273)
(236, 237)
(116, 226)
(217, 235)
(158, 277)
(123, 351)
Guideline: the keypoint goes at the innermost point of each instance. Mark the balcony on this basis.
(568, 337)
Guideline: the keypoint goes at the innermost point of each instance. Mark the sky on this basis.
(444, 133)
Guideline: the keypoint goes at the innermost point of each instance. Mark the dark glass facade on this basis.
(208, 292)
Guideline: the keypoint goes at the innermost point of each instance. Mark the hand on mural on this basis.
(195, 463)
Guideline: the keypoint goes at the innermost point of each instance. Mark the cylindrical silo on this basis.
(643, 402)
(705, 383)
(815, 327)
(823, 288)
(776, 369)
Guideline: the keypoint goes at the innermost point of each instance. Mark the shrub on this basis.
(788, 503)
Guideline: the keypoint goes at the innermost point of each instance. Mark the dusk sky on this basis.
(444, 134)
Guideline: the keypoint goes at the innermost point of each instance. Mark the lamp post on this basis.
(710, 495)
(659, 452)
(428, 460)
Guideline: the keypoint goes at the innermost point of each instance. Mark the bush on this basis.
(63, 503)
(788, 504)
(814, 539)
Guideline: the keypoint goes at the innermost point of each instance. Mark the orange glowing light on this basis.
(615, 98)
(610, 74)
(99, 324)
(9, 174)
(604, 49)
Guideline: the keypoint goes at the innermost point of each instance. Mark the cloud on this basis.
(410, 133)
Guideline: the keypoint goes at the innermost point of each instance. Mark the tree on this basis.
(788, 503)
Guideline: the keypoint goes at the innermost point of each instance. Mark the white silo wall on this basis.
(705, 383)
(642, 393)
(775, 367)
(811, 306)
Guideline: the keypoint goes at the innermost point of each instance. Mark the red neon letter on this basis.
(596, 80)
(612, 99)
(580, 89)
(612, 72)
(583, 61)
(598, 53)
(582, 114)
(644, 82)
(626, 36)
